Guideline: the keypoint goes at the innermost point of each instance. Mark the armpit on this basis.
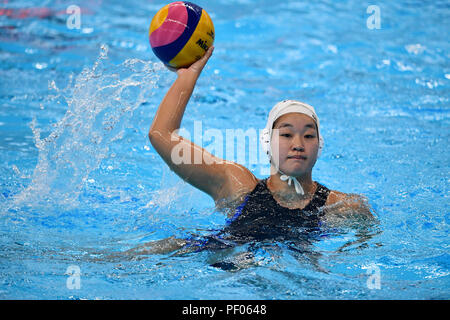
(228, 205)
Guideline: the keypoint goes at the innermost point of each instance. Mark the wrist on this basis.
(188, 75)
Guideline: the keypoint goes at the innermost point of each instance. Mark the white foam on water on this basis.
(100, 105)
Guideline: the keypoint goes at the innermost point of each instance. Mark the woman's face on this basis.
(294, 144)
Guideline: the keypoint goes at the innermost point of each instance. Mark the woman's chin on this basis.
(294, 171)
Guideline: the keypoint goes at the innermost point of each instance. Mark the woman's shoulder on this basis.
(335, 196)
(347, 203)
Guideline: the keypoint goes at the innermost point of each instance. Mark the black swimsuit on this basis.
(260, 218)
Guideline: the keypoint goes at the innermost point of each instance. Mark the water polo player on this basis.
(270, 208)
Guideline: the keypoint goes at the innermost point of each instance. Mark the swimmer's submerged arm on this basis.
(188, 160)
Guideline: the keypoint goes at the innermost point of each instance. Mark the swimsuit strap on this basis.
(319, 198)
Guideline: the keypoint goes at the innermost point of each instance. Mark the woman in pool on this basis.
(280, 206)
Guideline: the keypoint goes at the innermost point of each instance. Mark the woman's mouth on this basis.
(297, 157)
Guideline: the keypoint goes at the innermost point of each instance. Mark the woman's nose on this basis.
(297, 144)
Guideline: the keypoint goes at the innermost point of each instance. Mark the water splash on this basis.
(100, 105)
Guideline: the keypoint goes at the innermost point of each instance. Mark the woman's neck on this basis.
(284, 190)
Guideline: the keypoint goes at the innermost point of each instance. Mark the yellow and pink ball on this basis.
(180, 34)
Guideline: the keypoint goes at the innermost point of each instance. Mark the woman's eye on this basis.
(309, 136)
(285, 135)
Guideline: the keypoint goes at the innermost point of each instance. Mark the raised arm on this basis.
(212, 174)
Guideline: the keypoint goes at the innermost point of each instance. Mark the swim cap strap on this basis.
(297, 185)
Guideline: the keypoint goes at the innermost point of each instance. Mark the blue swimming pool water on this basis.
(80, 180)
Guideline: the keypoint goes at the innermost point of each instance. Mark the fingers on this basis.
(197, 66)
(208, 53)
(200, 64)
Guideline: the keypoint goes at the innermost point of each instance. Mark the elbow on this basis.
(151, 135)
(159, 137)
(154, 136)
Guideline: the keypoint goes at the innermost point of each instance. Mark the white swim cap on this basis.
(282, 108)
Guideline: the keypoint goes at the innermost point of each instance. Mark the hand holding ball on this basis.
(180, 34)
